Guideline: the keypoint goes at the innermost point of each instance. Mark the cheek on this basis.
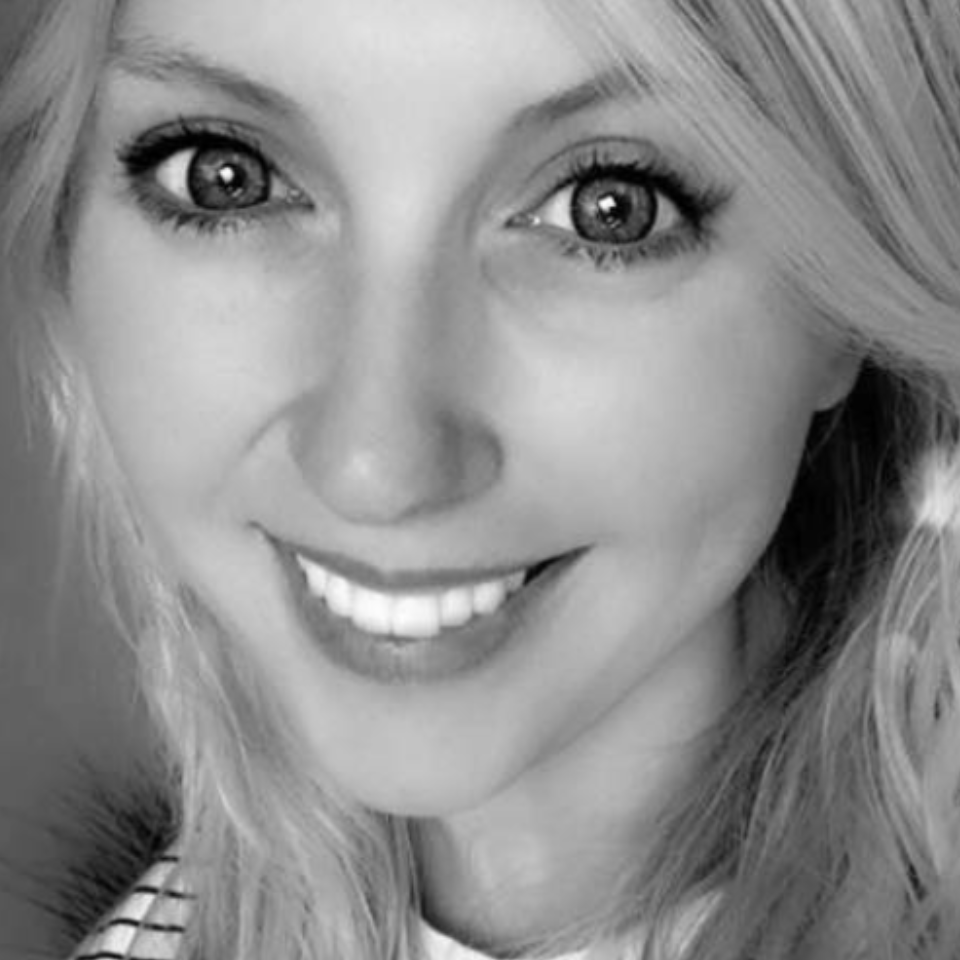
(682, 421)
(654, 423)
(188, 354)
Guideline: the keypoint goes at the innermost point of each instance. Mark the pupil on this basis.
(221, 178)
(231, 179)
(611, 210)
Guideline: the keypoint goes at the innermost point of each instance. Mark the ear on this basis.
(840, 372)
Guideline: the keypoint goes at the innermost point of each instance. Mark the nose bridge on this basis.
(390, 432)
(399, 334)
(396, 314)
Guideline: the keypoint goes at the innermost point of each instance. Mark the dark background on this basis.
(66, 697)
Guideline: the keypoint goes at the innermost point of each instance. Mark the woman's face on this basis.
(386, 305)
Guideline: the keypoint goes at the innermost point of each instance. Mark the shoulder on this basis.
(148, 924)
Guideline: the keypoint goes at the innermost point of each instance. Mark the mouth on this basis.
(388, 607)
(413, 626)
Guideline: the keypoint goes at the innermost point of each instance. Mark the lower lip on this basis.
(396, 660)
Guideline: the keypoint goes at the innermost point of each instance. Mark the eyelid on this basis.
(538, 216)
(558, 170)
(663, 169)
(144, 151)
(694, 198)
(143, 156)
(148, 151)
(177, 165)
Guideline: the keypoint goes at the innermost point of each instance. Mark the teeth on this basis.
(415, 616)
(317, 578)
(371, 611)
(456, 608)
(339, 596)
(489, 597)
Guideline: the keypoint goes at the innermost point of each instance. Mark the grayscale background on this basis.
(66, 700)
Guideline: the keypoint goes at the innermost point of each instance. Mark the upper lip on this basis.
(401, 581)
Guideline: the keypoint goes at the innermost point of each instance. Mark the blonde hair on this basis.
(827, 814)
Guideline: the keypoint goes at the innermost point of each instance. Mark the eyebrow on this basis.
(613, 85)
(152, 60)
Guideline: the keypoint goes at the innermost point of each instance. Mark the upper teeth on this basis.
(412, 615)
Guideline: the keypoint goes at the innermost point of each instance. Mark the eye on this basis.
(217, 177)
(220, 177)
(611, 207)
(207, 176)
(623, 203)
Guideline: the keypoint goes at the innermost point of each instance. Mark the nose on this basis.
(391, 434)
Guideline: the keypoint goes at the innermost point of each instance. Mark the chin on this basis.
(422, 790)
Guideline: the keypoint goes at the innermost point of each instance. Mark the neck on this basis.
(550, 853)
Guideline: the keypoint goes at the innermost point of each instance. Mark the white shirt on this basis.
(441, 947)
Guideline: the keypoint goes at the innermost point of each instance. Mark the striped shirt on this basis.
(128, 934)
(150, 922)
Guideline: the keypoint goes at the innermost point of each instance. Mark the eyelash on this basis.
(696, 203)
(142, 158)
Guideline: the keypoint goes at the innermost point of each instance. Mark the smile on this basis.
(414, 626)
(413, 615)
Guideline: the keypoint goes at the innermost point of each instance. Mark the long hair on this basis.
(826, 818)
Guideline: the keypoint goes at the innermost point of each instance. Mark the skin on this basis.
(396, 375)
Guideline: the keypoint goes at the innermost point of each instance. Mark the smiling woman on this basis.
(519, 439)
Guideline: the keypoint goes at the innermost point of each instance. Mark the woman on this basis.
(520, 439)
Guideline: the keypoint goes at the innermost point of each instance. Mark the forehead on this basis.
(352, 41)
(393, 48)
